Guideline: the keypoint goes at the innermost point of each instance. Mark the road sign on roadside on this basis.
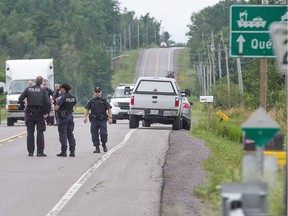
(249, 29)
(260, 127)
(279, 34)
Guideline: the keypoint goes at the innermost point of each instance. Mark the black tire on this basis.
(133, 121)
(114, 121)
(186, 125)
(146, 123)
(176, 124)
(10, 122)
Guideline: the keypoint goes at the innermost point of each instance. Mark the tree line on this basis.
(209, 47)
(82, 37)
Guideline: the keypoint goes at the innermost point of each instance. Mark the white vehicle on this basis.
(163, 45)
(156, 100)
(120, 102)
(18, 74)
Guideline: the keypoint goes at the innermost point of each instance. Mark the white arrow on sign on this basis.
(241, 40)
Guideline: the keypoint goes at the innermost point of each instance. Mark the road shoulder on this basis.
(183, 172)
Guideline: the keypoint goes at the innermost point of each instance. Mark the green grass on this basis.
(124, 68)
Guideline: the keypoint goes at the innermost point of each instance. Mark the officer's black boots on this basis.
(30, 154)
(97, 150)
(104, 147)
(41, 155)
(62, 154)
(72, 154)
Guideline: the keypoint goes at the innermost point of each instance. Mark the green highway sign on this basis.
(249, 29)
(251, 45)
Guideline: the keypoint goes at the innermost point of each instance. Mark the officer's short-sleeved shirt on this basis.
(106, 103)
(62, 100)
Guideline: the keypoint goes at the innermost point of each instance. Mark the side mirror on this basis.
(187, 92)
(1, 90)
(127, 90)
(109, 96)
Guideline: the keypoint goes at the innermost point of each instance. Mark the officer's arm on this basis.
(56, 107)
(22, 96)
(109, 113)
(86, 111)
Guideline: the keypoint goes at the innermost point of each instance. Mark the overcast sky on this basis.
(175, 15)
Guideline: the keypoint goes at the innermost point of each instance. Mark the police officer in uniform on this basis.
(64, 108)
(100, 113)
(38, 107)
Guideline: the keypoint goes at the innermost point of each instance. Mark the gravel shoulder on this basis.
(183, 172)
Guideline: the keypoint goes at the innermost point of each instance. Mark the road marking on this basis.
(80, 182)
(157, 63)
(145, 62)
(12, 137)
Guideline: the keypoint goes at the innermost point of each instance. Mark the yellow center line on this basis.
(12, 137)
(157, 63)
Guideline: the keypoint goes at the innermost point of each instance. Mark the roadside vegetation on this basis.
(224, 140)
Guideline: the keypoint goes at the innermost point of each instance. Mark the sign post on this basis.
(209, 100)
(260, 127)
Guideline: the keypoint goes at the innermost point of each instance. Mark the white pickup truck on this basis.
(156, 100)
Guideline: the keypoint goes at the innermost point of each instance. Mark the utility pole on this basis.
(129, 36)
(212, 48)
(227, 73)
(205, 79)
(120, 39)
(263, 76)
(125, 38)
(219, 61)
(240, 81)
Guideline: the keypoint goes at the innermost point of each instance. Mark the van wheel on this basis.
(176, 124)
(133, 121)
(113, 121)
(51, 120)
(10, 122)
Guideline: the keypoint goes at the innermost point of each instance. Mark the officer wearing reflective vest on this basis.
(64, 108)
(99, 114)
(38, 107)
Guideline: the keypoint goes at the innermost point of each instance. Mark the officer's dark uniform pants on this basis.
(65, 129)
(96, 126)
(41, 127)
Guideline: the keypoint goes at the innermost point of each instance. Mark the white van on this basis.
(18, 74)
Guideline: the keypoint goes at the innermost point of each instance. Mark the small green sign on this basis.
(260, 127)
(249, 29)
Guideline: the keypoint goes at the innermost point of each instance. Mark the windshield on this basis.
(18, 86)
(119, 93)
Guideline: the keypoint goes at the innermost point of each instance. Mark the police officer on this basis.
(50, 95)
(100, 113)
(55, 97)
(38, 107)
(64, 108)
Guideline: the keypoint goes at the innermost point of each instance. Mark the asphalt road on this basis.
(127, 180)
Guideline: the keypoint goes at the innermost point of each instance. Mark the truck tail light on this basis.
(177, 102)
(132, 100)
(186, 106)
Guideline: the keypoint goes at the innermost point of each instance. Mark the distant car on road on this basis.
(120, 102)
(163, 45)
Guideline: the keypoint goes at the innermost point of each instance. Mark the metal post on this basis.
(286, 167)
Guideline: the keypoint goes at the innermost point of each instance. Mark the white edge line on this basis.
(78, 184)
